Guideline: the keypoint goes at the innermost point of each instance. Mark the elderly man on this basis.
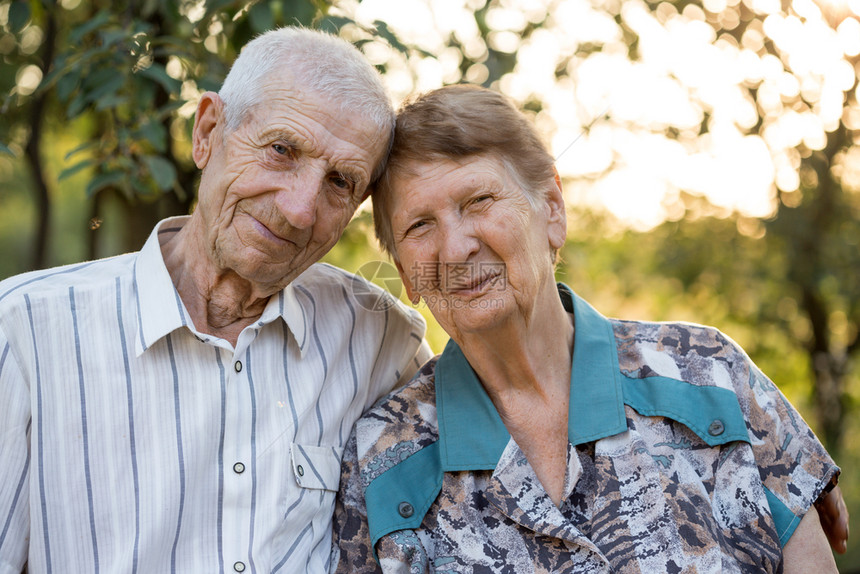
(184, 408)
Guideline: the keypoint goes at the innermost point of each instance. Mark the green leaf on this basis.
(76, 106)
(102, 75)
(70, 171)
(213, 7)
(67, 84)
(6, 150)
(110, 102)
(107, 89)
(142, 188)
(303, 12)
(333, 24)
(261, 17)
(168, 109)
(113, 36)
(80, 148)
(155, 134)
(98, 21)
(383, 30)
(19, 15)
(104, 180)
(162, 171)
(158, 73)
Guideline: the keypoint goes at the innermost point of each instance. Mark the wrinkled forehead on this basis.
(322, 126)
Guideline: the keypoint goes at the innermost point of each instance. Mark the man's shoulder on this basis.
(333, 283)
(58, 280)
(399, 424)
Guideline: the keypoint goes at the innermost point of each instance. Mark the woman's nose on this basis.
(458, 242)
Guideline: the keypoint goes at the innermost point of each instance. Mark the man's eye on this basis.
(281, 149)
(341, 182)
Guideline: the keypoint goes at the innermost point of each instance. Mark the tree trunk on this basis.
(33, 155)
(808, 269)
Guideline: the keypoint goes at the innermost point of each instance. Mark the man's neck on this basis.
(220, 302)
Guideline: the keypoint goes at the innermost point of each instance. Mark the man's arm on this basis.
(14, 463)
(423, 354)
(807, 550)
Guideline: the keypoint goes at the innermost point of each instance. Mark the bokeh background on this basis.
(708, 149)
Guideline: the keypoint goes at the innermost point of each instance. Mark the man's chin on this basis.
(263, 277)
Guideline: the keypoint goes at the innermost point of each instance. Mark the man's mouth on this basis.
(267, 232)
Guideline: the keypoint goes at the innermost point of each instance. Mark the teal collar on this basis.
(471, 433)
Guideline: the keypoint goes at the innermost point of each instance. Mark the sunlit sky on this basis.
(605, 122)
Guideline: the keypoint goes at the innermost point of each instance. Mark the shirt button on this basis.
(238, 366)
(300, 471)
(716, 428)
(405, 509)
(239, 566)
(238, 468)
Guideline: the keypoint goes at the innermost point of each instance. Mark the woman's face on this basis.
(470, 243)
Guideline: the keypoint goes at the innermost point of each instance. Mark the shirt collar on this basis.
(160, 310)
(472, 436)
(292, 310)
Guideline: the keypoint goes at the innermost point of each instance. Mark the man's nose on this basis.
(297, 201)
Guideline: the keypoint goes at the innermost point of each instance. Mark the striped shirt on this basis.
(130, 442)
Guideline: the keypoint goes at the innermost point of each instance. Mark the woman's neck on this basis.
(527, 355)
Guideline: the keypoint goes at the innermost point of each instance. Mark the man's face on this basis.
(276, 193)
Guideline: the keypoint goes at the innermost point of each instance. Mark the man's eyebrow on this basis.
(281, 134)
(299, 143)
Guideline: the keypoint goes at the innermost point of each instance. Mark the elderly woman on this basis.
(546, 437)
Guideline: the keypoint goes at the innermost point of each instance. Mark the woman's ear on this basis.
(208, 117)
(556, 214)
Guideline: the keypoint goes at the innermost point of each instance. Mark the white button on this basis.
(238, 366)
(239, 566)
(238, 468)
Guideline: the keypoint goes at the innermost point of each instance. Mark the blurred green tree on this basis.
(128, 74)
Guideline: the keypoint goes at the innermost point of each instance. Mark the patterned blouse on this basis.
(683, 457)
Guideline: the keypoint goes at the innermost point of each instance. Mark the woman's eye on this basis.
(416, 225)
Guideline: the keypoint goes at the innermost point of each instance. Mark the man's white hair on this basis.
(318, 61)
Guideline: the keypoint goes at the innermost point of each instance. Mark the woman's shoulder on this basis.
(399, 424)
(700, 355)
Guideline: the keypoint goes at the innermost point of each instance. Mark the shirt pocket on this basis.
(316, 467)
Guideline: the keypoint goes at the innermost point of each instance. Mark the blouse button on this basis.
(716, 428)
(405, 509)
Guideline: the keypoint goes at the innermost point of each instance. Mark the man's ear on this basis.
(414, 297)
(556, 214)
(209, 116)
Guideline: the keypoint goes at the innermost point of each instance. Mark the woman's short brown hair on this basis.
(458, 122)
